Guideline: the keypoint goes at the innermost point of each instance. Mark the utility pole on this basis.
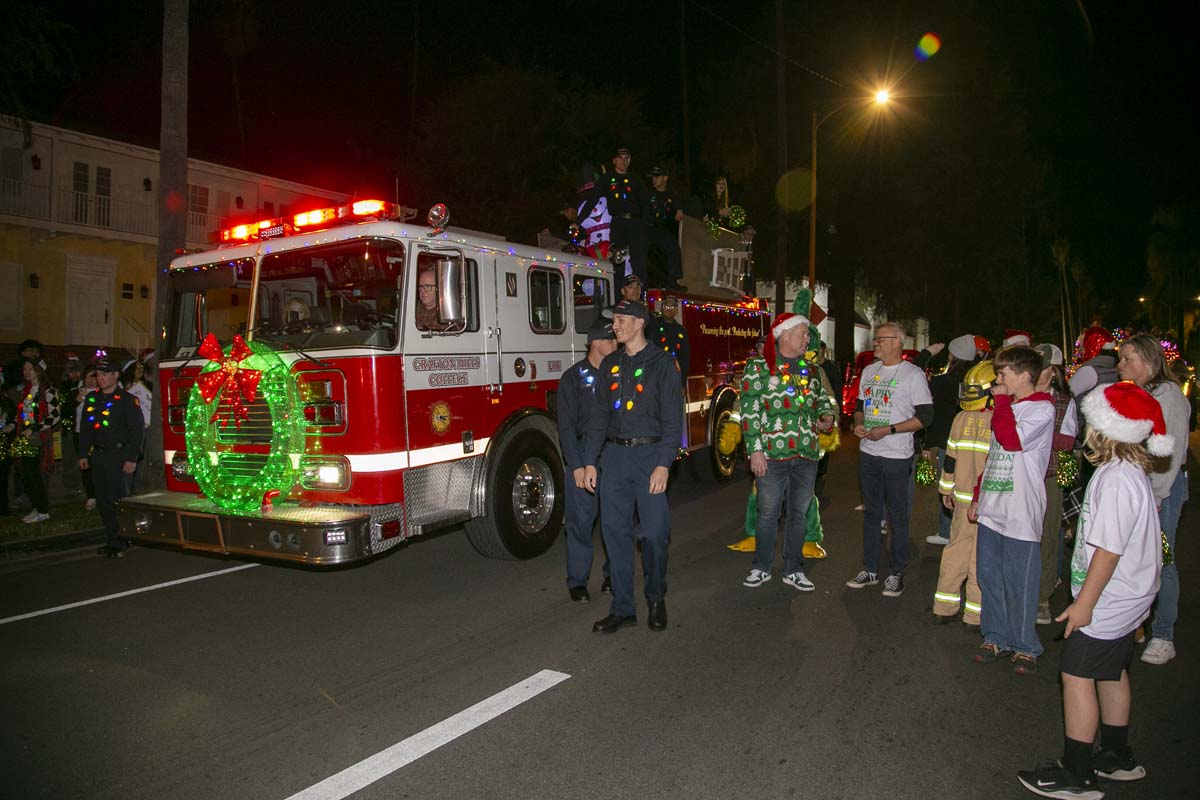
(781, 156)
(683, 95)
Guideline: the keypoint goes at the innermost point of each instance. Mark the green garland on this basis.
(1066, 468)
(926, 474)
(213, 463)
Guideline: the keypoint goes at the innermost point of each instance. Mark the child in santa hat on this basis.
(1114, 578)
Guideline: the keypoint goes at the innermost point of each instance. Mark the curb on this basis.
(48, 545)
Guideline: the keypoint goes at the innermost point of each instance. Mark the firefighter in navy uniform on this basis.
(633, 438)
(111, 428)
(629, 203)
(576, 399)
(666, 211)
(671, 336)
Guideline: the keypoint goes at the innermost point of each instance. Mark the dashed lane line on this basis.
(107, 597)
(385, 762)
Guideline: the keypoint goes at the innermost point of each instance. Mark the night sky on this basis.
(1099, 97)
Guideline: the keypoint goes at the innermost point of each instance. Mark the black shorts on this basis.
(1098, 659)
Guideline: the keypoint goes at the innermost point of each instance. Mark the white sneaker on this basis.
(1159, 651)
(937, 539)
(90, 505)
(30, 517)
(756, 578)
(35, 516)
(798, 581)
(883, 527)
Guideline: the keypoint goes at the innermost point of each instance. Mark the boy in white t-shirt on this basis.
(1010, 503)
(1114, 579)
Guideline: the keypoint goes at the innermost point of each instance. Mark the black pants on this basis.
(631, 234)
(661, 238)
(111, 482)
(35, 485)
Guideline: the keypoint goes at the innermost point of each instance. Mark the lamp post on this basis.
(818, 119)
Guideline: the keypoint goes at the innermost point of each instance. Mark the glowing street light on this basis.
(882, 97)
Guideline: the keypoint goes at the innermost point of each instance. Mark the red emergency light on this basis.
(358, 211)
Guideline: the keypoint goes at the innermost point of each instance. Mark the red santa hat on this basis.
(803, 312)
(1125, 412)
(1013, 336)
(1093, 340)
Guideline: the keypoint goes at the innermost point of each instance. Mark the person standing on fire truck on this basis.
(629, 204)
(576, 400)
(672, 337)
(666, 213)
(633, 438)
(111, 432)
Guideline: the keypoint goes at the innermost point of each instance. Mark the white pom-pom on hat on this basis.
(1127, 413)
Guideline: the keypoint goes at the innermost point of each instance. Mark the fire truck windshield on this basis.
(339, 295)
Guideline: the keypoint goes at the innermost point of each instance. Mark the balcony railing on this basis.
(97, 211)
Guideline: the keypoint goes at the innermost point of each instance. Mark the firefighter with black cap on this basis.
(576, 401)
(633, 438)
(671, 336)
(629, 204)
(666, 211)
(111, 430)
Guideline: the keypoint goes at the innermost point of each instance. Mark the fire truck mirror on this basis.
(451, 307)
(214, 276)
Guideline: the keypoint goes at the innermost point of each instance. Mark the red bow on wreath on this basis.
(231, 380)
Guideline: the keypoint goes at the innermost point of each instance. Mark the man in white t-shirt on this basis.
(893, 402)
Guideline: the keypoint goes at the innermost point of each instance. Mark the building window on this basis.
(104, 196)
(546, 300)
(197, 199)
(80, 187)
(268, 208)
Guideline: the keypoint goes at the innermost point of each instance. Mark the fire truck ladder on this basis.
(729, 268)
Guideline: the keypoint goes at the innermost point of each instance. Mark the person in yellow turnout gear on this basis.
(966, 453)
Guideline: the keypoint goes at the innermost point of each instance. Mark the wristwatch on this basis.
(893, 427)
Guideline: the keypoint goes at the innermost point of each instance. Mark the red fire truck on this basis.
(299, 355)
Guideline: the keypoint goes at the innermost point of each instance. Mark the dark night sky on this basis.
(1106, 88)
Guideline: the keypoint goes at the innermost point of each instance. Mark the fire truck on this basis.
(342, 380)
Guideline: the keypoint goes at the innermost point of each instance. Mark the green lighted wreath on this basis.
(227, 473)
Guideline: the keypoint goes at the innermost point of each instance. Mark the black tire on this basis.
(721, 468)
(526, 499)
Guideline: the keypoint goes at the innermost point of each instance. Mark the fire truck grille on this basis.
(245, 466)
(257, 429)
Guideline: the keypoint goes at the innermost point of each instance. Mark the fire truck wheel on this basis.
(723, 463)
(525, 499)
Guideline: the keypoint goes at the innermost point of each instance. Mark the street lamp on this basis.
(882, 97)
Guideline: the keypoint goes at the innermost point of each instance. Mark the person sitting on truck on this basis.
(427, 302)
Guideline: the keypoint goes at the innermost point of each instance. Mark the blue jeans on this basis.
(887, 484)
(1009, 571)
(790, 480)
(1166, 608)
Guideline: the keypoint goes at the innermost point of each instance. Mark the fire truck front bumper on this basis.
(320, 535)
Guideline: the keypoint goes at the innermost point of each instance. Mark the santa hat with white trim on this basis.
(1012, 336)
(1125, 412)
(804, 312)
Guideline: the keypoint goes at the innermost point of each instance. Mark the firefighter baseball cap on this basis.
(621, 151)
(632, 278)
(963, 347)
(632, 308)
(601, 329)
(977, 384)
(659, 172)
(106, 364)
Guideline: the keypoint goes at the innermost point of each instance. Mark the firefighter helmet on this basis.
(976, 386)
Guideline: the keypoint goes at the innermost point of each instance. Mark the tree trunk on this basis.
(172, 204)
(781, 154)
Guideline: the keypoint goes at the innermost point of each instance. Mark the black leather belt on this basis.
(636, 441)
(107, 448)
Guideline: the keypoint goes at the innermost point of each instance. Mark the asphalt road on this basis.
(263, 682)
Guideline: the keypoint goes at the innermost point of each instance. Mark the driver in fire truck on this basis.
(633, 438)
(427, 302)
(576, 399)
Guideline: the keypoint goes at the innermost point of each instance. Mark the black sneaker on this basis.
(893, 586)
(579, 594)
(1052, 780)
(1114, 765)
(862, 580)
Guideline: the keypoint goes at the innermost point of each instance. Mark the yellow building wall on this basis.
(44, 310)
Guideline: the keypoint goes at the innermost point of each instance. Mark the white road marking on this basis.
(385, 762)
(56, 609)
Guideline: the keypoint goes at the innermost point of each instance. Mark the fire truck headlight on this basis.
(325, 472)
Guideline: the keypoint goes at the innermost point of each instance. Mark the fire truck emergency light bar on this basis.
(359, 210)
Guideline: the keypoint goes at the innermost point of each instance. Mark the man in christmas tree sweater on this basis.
(784, 409)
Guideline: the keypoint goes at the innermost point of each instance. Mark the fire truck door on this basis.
(493, 343)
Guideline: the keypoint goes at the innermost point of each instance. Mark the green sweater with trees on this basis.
(780, 412)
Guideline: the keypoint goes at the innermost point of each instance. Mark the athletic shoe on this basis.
(798, 581)
(883, 527)
(36, 516)
(863, 580)
(1052, 780)
(937, 538)
(1159, 651)
(893, 586)
(756, 578)
(90, 505)
(1043, 614)
(30, 516)
(1116, 766)
(987, 653)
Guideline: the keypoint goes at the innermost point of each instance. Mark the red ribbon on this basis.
(231, 380)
